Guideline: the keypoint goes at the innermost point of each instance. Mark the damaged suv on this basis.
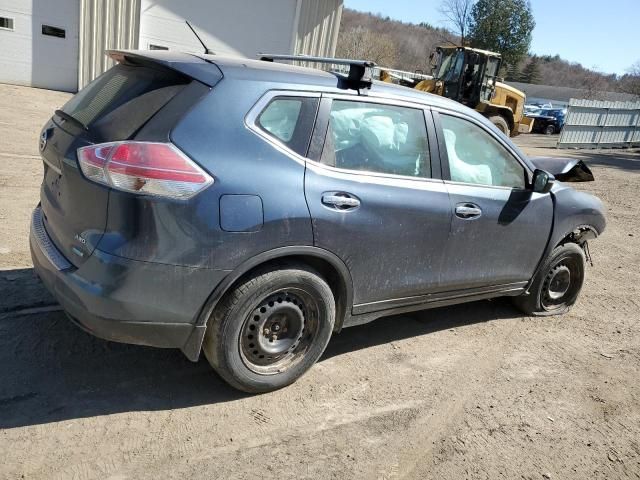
(251, 209)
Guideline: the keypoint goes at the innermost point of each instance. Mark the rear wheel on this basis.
(549, 130)
(500, 123)
(557, 284)
(270, 329)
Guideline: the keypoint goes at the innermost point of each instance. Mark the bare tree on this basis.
(630, 82)
(456, 13)
(391, 44)
(362, 43)
(594, 85)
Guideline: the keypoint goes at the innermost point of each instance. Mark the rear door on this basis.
(113, 107)
(499, 227)
(376, 199)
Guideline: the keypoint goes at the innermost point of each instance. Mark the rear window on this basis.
(120, 101)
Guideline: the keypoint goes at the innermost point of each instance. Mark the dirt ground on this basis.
(473, 391)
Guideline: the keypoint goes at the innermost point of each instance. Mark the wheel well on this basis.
(325, 268)
(579, 235)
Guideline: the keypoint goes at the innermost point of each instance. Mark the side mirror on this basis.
(542, 181)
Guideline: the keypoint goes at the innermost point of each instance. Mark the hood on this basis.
(564, 169)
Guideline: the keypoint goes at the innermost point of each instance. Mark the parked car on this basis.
(253, 209)
(548, 121)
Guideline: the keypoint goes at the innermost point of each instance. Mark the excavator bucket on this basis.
(526, 124)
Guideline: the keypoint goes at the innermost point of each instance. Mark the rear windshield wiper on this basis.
(71, 119)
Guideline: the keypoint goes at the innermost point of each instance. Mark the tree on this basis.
(630, 82)
(513, 73)
(362, 43)
(593, 85)
(456, 13)
(503, 26)
(531, 73)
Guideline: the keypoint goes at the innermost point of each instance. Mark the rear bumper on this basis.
(125, 300)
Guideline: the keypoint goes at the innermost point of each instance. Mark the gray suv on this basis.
(251, 209)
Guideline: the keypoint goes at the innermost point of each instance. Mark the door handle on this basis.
(340, 201)
(468, 211)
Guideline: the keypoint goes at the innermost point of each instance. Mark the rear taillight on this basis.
(143, 167)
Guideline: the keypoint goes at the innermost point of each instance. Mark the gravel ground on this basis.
(472, 391)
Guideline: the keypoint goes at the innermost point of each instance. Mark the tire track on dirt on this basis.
(467, 383)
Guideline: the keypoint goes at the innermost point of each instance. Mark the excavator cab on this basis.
(466, 75)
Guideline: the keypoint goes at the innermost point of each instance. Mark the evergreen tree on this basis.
(531, 73)
(513, 73)
(502, 26)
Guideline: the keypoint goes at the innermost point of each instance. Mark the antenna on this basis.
(206, 49)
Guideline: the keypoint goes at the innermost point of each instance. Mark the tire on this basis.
(549, 130)
(500, 123)
(558, 283)
(270, 329)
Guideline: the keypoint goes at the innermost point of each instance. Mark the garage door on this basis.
(39, 43)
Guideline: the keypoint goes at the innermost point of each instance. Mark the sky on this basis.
(600, 35)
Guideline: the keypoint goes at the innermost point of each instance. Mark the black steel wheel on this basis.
(279, 331)
(557, 284)
(562, 283)
(549, 130)
(270, 329)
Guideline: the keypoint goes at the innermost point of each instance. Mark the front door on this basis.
(374, 201)
(499, 228)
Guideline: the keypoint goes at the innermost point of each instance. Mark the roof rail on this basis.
(359, 70)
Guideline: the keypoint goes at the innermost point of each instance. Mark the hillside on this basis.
(389, 42)
(407, 46)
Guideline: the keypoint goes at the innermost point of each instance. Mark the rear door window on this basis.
(290, 121)
(377, 138)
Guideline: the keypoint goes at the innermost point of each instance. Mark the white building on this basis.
(60, 44)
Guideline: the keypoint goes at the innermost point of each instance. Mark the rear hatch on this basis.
(113, 107)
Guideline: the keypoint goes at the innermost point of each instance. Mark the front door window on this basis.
(476, 157)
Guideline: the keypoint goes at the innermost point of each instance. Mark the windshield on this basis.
(450, 65)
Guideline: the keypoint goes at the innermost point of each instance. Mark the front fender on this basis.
(576, 214)
(573, 209)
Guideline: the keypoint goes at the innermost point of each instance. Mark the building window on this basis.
(157, 47)
(53, 31)
(6, 23)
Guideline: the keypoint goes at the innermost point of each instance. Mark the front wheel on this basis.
(270, 329)
(549, 130)
(500, 123)
(557, 284)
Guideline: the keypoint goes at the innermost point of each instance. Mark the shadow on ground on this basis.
(53, 371)
(545, 146)
(619, 159)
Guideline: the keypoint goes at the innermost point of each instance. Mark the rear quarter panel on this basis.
(214, 134)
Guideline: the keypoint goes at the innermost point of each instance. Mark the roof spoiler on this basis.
(199, 69)
(360, 71)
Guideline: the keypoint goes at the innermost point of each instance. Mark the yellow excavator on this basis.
(470, 76)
